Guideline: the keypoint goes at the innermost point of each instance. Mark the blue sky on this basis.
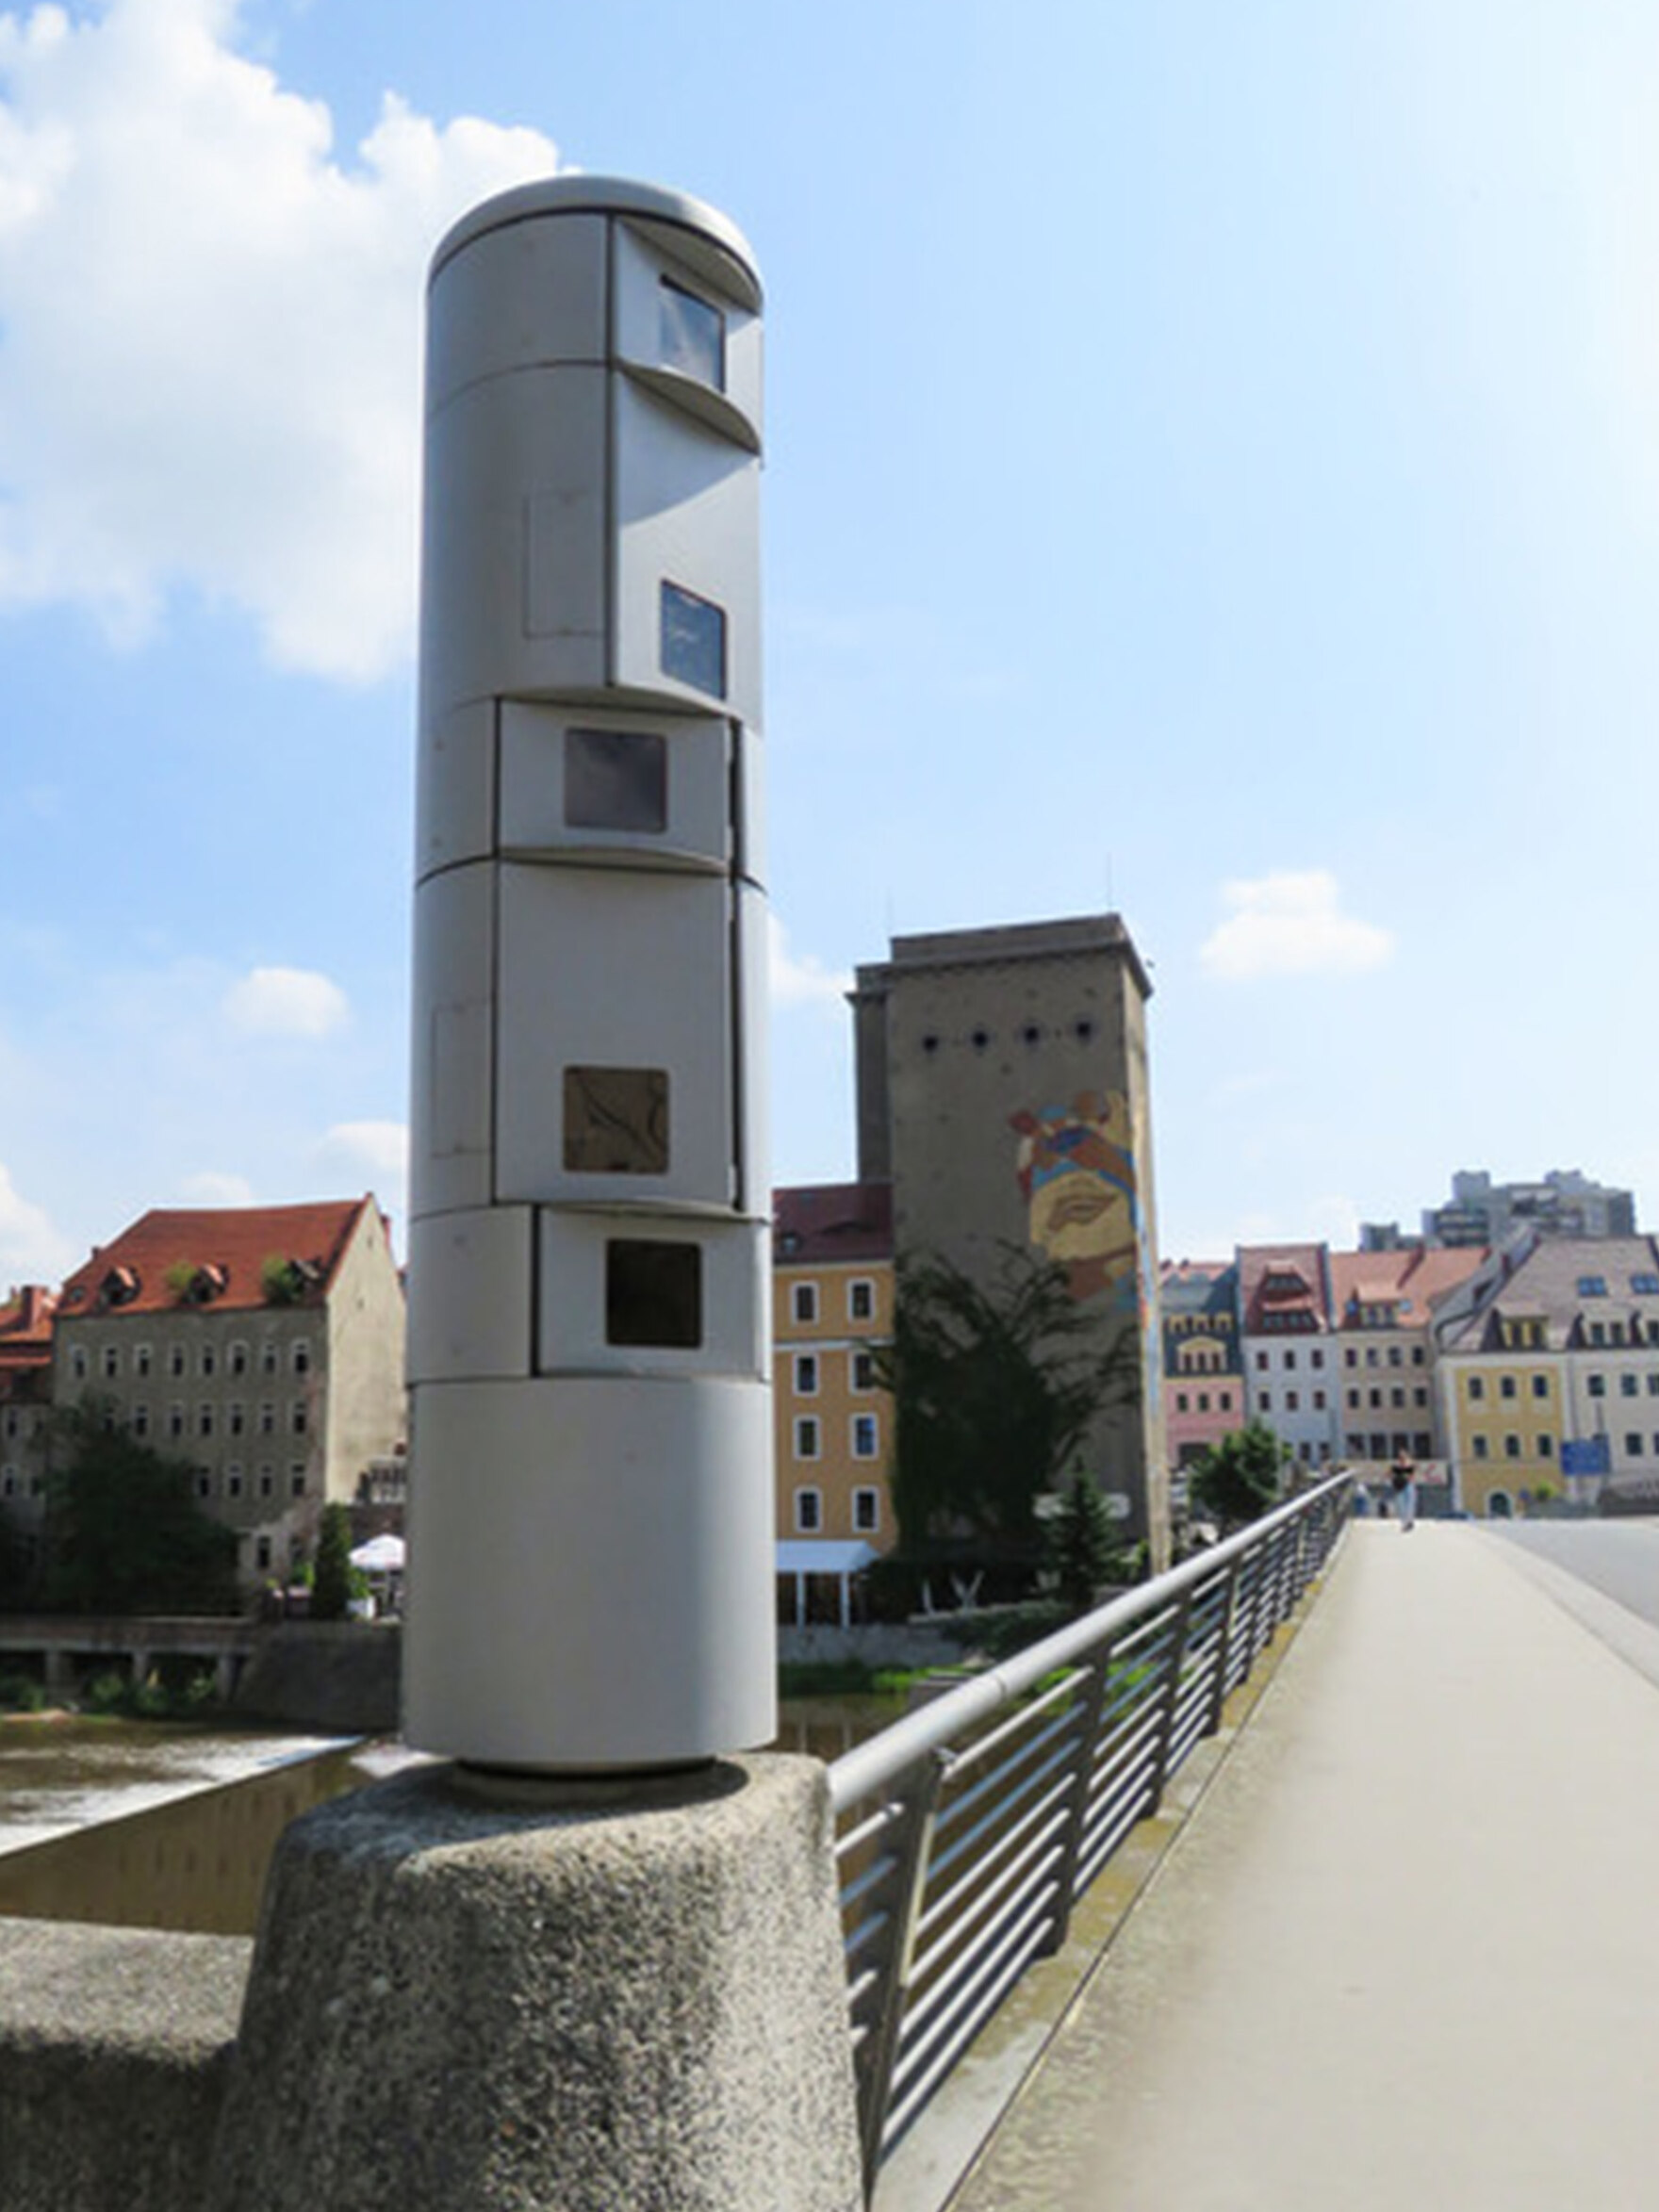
(1213, 473)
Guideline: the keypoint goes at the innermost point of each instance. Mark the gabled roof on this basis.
(26, 1327)
(1286, 1282)
(817, 1224)
(213, 1259)
(1410, 1279)
(1550, 1283)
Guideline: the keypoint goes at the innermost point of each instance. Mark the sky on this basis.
(1213, 474)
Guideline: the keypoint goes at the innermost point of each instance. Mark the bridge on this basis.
(1403, 1952)
(71, 1646)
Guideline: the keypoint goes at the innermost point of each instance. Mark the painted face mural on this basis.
(1077, 1169)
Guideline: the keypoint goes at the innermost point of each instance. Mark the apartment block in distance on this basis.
(1549, 1373)
(262, 1343)
(1204, 1381)
(832, 1304)
(1383, 1302)
(1003, 1093)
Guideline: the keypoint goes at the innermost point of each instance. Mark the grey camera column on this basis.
(594, 1961)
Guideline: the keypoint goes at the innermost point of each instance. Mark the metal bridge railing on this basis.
(969, 1828)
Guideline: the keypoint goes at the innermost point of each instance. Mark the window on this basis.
(140, 1421)
(1374, 1398)
(1290, 1402)
(1506, 1386)
(867, 1512)
(691, 334)
(1597, 1386)
(1477, 1387)
(804, 1301)
(141, 1360)
(236, 1419)
(1318, 1401)
(1592, 1286)
(297, 1479)
(175, 1420)
(1261, 1363)
(1370, 1355)
(77, 1364)
(860, 1299)
(1416, 1355)
(203, 1420)
(238, 1359)
(267, 1359)
(1627, 1385)
(1654, 1385)
(1420, 1395)
(1351, 1358)
(298, 1417)
(1204, 1401)
(1422, 1443)
(1353, 1400)
(692, 640)
(1396, 1396)
(1633, 1443)
(267, 1421)
(267, 1481)
(616, 1121)
(617, 780)
(204, 1361)
(809, 1510)
(1316, 1358)
(302, 1355)
(863, 1371)
(1290, 1359)
(233, 1481)
(175, 1359)
(1478, 1446)
(1264, 1400)
(1511, 1445)
(1540, 1386)
(1644, 1286)
(866, 1436)
(653, 1293)
(806, 1437)
(1180, 1401)
(1396, 1358)
(111, 1363)
(806, 1374)
(262, 1554)
(1598, 1333)
(1224, 1400)
(204, 1485)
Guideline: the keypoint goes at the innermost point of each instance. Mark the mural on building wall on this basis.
(1077, 1172)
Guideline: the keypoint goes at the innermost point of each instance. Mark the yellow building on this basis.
(831, 1306)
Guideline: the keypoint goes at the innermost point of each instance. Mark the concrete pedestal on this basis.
(581, 1996)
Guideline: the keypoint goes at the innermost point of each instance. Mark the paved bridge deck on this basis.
(1405, 1957)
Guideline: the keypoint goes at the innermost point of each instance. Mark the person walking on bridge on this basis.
(1403, 1477)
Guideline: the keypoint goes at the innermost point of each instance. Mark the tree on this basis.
(124, 1531)
(331, 1587)
(1083, 1550)
(1240, 1475)
(992, 1390)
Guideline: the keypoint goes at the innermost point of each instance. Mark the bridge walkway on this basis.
(1405, 1956)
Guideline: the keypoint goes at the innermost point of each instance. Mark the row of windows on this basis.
(233, 1485)
(1396, 1355)
(1030, 1034)
(1644, 1286)
(12, 1484)
(1613, 1331)
(1420, 1444)
(863, 1435)
(238, 1360)
(1630, 1386)
(1396, 1397)
(1224, 1401)
(1543, 1446)
(1264, 1402)
(1316, 1358)
(810, 1367)
(178, 1421)
(860, 1301)
(809, 1510)
(19, 1423)
(1196, 1360)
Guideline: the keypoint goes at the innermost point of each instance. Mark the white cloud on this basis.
(1290, 925)
(803, 981)
(377, 1152)
(31, 1248)
(210, 331)
(213, 1186)
(286, 1001)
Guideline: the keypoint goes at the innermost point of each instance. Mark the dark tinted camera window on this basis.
(616, 1121)
(616, 779)
(692, 335)
(694, 641)
(653, 1294)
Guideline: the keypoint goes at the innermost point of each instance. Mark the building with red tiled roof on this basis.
(26, 1390)
(262, 1343)
(1285, 1332)
(832, 1303)
(1203, 1382)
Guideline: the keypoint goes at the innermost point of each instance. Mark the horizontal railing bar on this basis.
(1059, 1728)
(946, 1963)
(1040, 1820)
(965, 1985)
(952, 2036)
(962, 1837)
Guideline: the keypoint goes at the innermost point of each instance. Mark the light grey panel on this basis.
(612, 969)
(530, 292)
(533, 784)
(451, 1089)
(455, 799)
(470, 1280)
(640, 265)
(571, 1305)
(514, 560)
(687, 511)
(754, 1148)
(751, 858)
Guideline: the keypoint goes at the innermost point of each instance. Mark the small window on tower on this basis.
(617, 780)
(692, 335)
(653, 1294)
(693, 643)
(616, 1121)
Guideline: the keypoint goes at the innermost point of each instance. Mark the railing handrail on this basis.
(878, 1760)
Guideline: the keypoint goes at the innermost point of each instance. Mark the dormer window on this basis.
(119, 1286)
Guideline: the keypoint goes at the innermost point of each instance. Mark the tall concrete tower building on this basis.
(1002, 1089)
